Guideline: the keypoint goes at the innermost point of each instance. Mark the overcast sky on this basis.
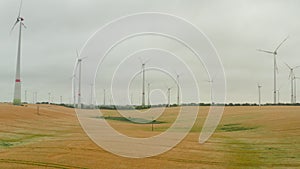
(237, 28)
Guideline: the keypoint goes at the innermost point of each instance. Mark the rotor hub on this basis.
(20, 19)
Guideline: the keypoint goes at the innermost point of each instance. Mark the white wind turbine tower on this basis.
(79, 60)
(169, 96)
(292, 78)
(74, 78)
(78, 65)
(295, 88)
(143, 77)
(17, 91)
(92, 96)
(278, 94)
(274, 53)
(259, 93)
(211, 82)
(104, 95)
(49, 97)
(26, 96)
(74, 87)
(149, 84)
(178, 89)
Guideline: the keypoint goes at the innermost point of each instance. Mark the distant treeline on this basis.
(137, 107)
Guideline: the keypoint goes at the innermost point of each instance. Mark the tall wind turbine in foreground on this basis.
(17, 91)
(292, 78)
(274, 53)
(259, 93)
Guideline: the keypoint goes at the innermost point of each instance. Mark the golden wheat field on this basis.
(247, 137)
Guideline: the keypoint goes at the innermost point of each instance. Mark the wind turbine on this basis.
(78, 65)
(178, 89)
(169, 96)
(149, 84)
(131, 98)
(104, 95)
(92, 95)
(211, 82)
(274, 53)
(74, 88)
(259, 93)
(143, 76)
(292, 78)
(49, 95)
(25, 96)
(35, 97)
(295, 88)
(17, 91)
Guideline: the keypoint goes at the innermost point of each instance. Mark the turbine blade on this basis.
(281, 43)
(24, 25)
(83, 57)
(14, 26)
(76, 63)
(296, 67)
(77, 53)
(141, 60)
(148, 60)
(266, 51)
(287, 65)
(20, 8)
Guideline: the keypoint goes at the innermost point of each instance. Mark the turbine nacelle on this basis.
(20, 19)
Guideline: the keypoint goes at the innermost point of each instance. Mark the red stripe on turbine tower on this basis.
(18, 80)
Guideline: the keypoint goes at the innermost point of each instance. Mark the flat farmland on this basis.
(247, 137)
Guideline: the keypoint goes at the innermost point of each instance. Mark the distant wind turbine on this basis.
(278, 93)
(259, 93)
(143, 77)
(35, 97)
(292, 78)
(25, 96)
(274, 53)
(295, 88)
(169, 96)
(211, 82)
(17, 91)
(104, 95)
(149, 84)
(49, 95)
(78, 65)
(74, 87)
(178, 89)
